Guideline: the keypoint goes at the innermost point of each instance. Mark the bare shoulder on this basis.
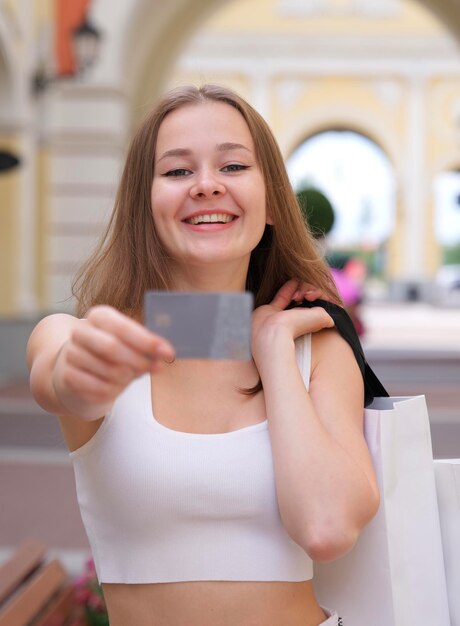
(328, 346)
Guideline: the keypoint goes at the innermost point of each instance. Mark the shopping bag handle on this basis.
(373, 388)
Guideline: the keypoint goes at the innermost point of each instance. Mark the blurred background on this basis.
(364, 99)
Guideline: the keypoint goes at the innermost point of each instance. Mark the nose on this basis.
(207, 185)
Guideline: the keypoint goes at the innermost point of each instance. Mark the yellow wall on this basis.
(434, 254)
(44, 10)
(443, 115)
(258, 16)
(9, 240)
(395, 243)
(43, 201)
(239, 82)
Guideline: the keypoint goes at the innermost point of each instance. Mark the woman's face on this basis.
(208, 192)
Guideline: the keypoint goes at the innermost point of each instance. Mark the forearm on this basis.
(324, 497)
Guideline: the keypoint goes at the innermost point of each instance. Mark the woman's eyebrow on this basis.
(220, 147)
(228, 145)
(180, 152)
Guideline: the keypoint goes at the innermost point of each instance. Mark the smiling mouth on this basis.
(214, 218)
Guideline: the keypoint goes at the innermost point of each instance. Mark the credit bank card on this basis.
(202, 325)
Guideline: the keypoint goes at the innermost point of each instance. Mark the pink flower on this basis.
(96, 603)
(87, 591)
(90, 567)
(82, 596)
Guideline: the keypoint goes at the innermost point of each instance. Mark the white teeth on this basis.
(213, 218)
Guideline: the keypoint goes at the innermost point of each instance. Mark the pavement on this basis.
(419, 328)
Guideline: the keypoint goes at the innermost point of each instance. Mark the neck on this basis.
(225, 277)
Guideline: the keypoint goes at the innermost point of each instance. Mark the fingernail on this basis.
(165, 352)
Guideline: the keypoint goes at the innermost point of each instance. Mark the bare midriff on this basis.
(213, 603)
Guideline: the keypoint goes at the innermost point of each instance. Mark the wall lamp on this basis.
(86, 42)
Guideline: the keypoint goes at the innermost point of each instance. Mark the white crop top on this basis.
(160, 505)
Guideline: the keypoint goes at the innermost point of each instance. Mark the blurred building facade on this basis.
(389, 69)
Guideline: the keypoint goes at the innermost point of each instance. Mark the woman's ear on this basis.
(268, 219)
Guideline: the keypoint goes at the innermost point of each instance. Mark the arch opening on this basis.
(447, 214)
(357, 177)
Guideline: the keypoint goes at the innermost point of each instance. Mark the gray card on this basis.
(202, 325)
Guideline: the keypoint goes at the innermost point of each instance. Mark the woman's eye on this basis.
(235, 167)
(179, 172)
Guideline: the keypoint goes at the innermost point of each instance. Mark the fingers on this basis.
(308, 292)
(102, 347)
(311, 320)
(285, 295)
(129, 333)
(296, 291)
(324, 319)
(87, 387)
(113, 349)
(82, 360)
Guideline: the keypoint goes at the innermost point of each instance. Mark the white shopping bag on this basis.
(394, 576)
(447, 473)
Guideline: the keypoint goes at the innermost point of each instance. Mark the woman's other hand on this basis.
(271, 322)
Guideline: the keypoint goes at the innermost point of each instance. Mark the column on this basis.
(415, 199)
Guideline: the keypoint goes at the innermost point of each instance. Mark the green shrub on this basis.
(317, 211)
(452, 255)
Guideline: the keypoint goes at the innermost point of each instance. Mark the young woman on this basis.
(208, 488)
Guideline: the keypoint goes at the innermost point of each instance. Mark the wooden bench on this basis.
(34, 591)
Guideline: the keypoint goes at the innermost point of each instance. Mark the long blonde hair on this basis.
(130, 258)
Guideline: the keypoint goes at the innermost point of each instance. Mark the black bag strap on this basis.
(373, 388)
